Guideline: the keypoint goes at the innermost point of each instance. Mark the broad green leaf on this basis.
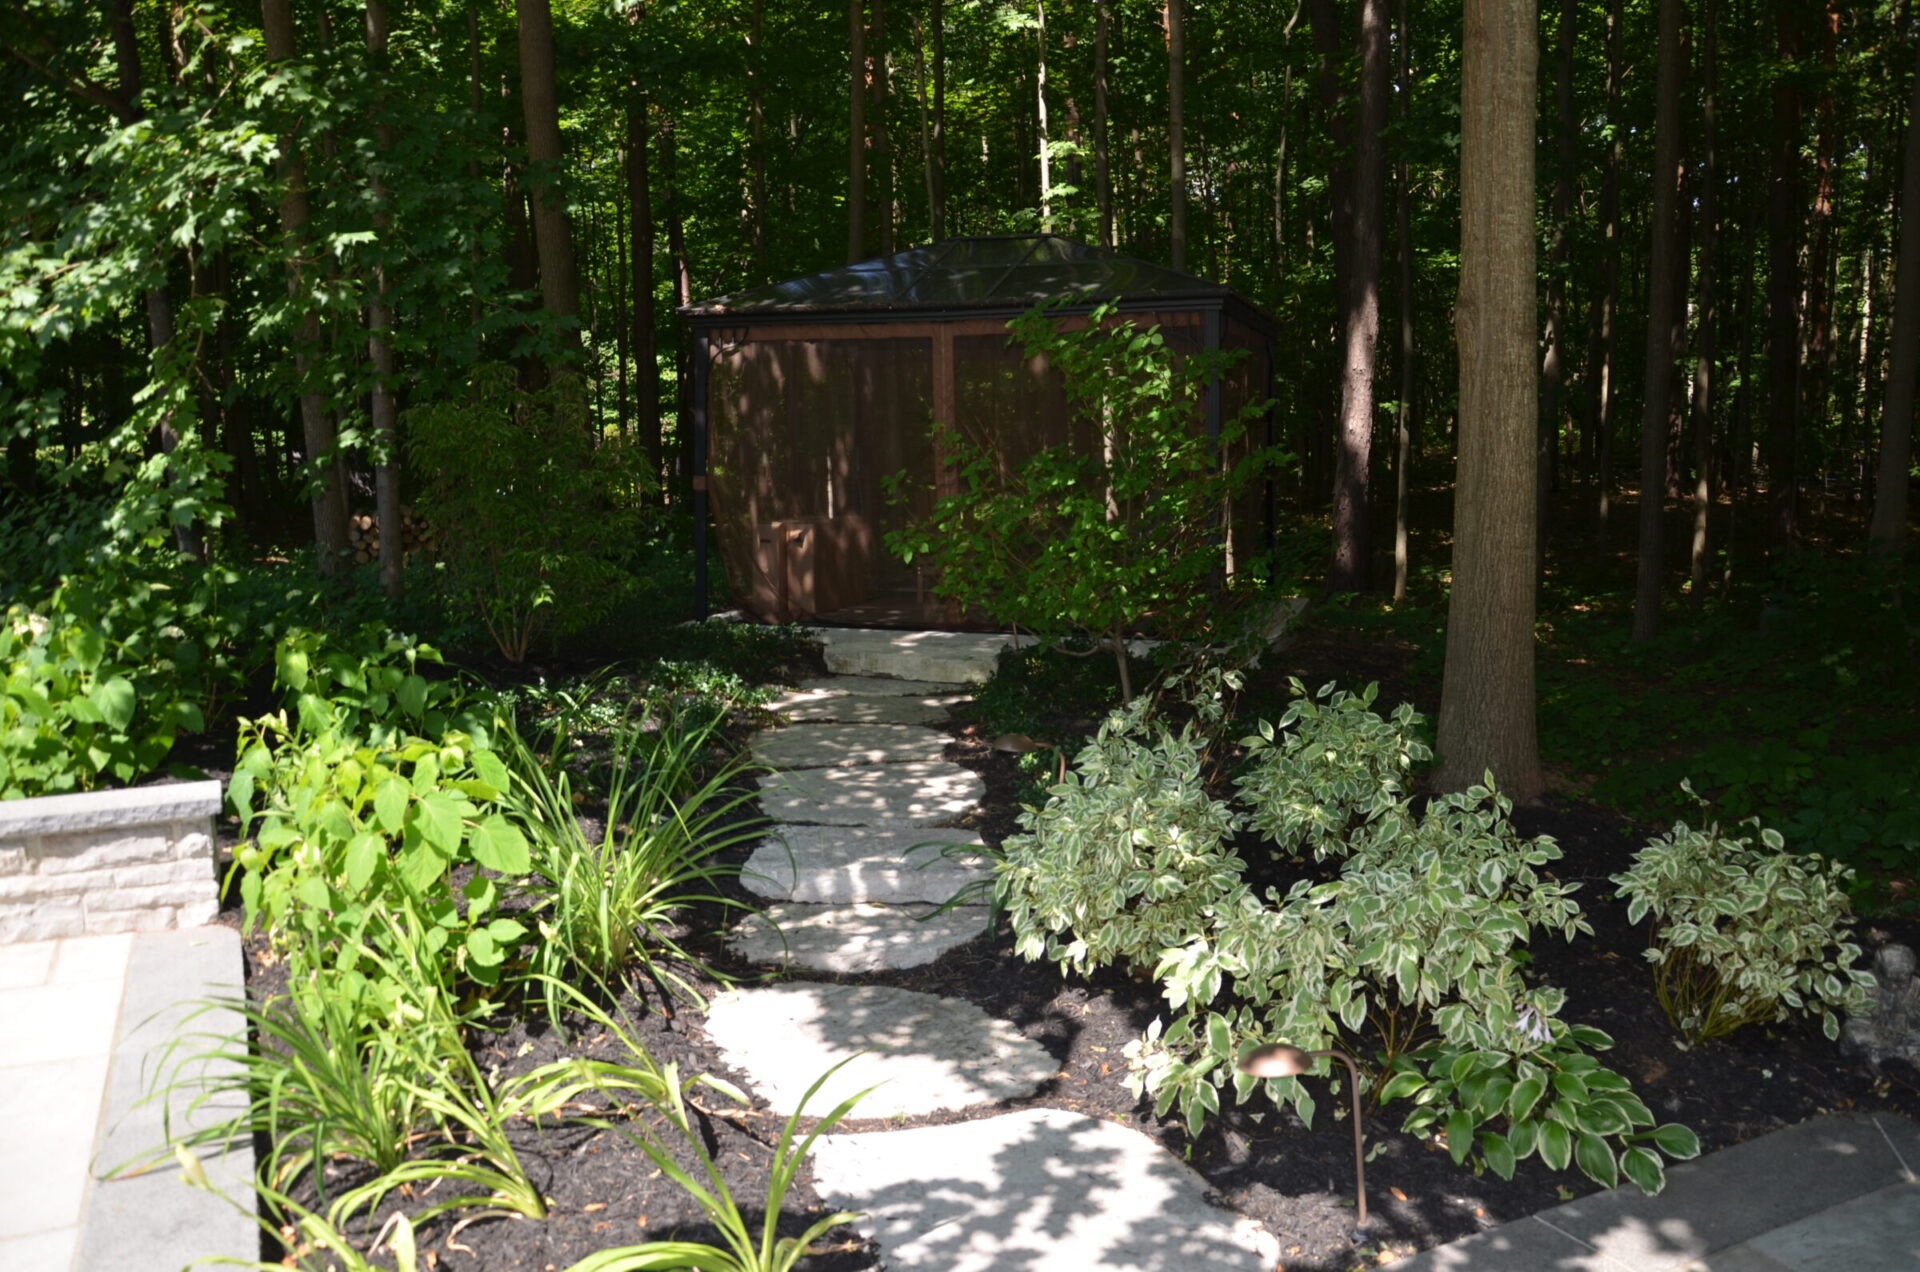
(438, 818)
(364, 852)
(1498, 1153)
(115, 699)
(1644, 1168)
(1596, 1160)
(1526, 1094)
(390, 801)
(1459, 1135)
(1556, 1145)
(492, 770)
(498, 845)
(1677, 1142)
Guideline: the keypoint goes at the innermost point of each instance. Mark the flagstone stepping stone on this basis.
(842, 745)
(854, 938)
(846, 708)
(838, 865)
(1033, 1191)
(928, 1053)
(924, 793)
(888, 687)
(953, 657)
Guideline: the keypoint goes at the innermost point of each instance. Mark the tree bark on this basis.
(1102, 173)
(937, 156)
(757, 124)
(1783, 300)
(317, 431)
(1887, 532)
(1177, 130)
(1606, 302)
(539, 99)
(1660, 328)
(857, 132)
(1487, 698)
(1360, 311)
(1707, 352)
(1553, 371)
(386, 471)
(882, 143)
(1040, 115)
(1403, 409)
(646, 357)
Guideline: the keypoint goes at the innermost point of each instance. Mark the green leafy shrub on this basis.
(534, 511)
(1413, 954)
(1743, 934)
(80, 708)
(1328, 767)
(1096, 540)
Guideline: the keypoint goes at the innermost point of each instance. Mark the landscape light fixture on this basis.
(1278, 1060)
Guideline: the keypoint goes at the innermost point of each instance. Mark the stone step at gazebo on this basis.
(1034, 1189)
(854, 938)
(847, 745)
(953, 658)
(840, 865)
(919, 793)
(926, 1053)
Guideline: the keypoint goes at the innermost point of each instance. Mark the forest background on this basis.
(261, 265)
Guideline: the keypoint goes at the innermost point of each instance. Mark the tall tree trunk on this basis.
(937, 155)
(1403, 409)
(1704, 371)
(1040, 115)
(1660, 327)
(186, 535)
(1817, 373)
(857, 133)
(882, 144)
(646, 360)
(757, 125)
(1177, 129)
(1887, 532)
(317, 431)
(386, 470)
(1360, 311)
(1487, 698)
(682, 287)
(1606, 302)
(1553, 371)
(1783, 299)
(539, 99)
(1102, 172)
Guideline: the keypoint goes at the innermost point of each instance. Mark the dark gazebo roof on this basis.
(999, 273)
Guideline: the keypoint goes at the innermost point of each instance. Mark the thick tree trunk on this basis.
(1102, 172)
(682, 289)
(646, 359)
(1040, 115)
(1817, 375)
(386, 471)
(1704, 372)
(317, 431)
(1177, 129)
(1360, 311)
(1783, 300)
(757, 126)
(857, 132)
(1887, 533)
(539, 99)
(882, 143)
(1660, 328)
(1487, 699)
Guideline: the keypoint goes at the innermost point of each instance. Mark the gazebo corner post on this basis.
(701, 339)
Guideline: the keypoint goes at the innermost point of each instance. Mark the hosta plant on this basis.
(1744, 932)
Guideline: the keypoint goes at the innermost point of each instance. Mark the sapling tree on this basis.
(1099, 541)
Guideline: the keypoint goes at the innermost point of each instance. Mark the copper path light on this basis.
(1278, 1060)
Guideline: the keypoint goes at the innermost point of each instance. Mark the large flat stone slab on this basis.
(924, 793)
(1039, 1190)
(854, 938)
(928, 1053)
(886, 687)
(949, 657)
(839, 865)
(806, 706)
(846, 745)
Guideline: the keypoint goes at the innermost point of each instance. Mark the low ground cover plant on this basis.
(1743, 932)
(1413, 955)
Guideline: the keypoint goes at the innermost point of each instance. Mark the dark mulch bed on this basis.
(1295, 1180)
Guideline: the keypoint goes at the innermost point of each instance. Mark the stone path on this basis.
(868, 842)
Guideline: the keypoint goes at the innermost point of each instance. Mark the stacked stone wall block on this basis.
(108, 861)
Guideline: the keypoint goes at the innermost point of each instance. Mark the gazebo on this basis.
(809, 395)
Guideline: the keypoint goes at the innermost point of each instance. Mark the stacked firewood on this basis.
(363, 536)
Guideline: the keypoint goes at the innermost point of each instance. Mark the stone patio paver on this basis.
(846, 939)
(927, 793)
(926, 1053)
(845, 745)
(839, 865)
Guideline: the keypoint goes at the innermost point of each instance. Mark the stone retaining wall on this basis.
(108, 861)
